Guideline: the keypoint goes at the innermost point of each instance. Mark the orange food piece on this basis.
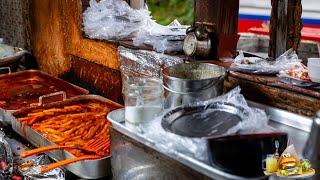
(73, 125)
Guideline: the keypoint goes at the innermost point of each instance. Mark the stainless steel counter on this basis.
(136, 157)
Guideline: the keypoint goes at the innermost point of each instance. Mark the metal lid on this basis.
(202, 121)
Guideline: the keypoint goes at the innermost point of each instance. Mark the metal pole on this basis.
(312, 147)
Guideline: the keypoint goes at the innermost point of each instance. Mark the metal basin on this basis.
(190, 82)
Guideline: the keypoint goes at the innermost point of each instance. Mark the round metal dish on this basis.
(6, 61)
(212, 120)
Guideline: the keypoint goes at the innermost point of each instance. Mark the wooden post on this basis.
(285, 26)
(223, 16)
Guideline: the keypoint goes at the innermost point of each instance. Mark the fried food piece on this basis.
(74, 125)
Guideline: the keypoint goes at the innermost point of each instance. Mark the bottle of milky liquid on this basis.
(136, 4)
(143, 100)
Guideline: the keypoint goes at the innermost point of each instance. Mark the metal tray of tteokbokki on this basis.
(77, 128)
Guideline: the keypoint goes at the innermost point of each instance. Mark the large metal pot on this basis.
(191, 82)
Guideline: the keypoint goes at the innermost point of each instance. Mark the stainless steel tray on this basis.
(144, 153)
(88, 169)
(22, 89)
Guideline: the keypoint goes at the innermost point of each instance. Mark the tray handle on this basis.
(59, 93)
(6, 68)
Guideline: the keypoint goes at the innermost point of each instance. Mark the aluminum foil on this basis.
(6, 158)
(33, 171)
(12, 166)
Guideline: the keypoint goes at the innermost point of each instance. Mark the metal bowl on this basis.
(190, 82)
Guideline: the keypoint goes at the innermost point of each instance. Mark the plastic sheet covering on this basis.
(115, 20)
(258, 65)
(10, 53)
(33, 171)
(6, 51)
(144, 63)
(255, 122)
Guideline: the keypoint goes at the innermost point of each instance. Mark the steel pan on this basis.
(88, 169)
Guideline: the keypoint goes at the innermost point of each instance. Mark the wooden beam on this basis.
(48, 37)
(285, 26)
(77, 45)
(258, 89)
(96, 78)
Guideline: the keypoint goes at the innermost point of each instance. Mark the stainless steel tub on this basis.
(190, 82)
(135, 157)
(88, 169)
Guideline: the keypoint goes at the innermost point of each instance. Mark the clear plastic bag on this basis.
(161, 38)
(115, 20)
(256, 65)
(256, 121)
(173, 143)
(6, 51)
(112, 20)
(141, 82)
(144, 63)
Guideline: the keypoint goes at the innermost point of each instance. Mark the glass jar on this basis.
(143, 98)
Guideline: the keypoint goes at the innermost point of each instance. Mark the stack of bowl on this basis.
(314, 69)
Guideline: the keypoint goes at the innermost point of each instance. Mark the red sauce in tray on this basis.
(18, 91)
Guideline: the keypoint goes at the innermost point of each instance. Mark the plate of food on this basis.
(254, 65)
(290, 166)
(297, 75)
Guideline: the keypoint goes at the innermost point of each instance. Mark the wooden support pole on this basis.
(223, 15)
(285, 26)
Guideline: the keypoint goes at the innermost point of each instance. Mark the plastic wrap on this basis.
(115, 20)
(298, 71)
(172, 143)
(256, 65)
(256, 121)
(6, 51)
(112, 20)
(141, 82)
(161, 38)
(144, 63)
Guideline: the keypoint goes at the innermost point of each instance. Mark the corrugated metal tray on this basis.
(22, 89)
(88, 169)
